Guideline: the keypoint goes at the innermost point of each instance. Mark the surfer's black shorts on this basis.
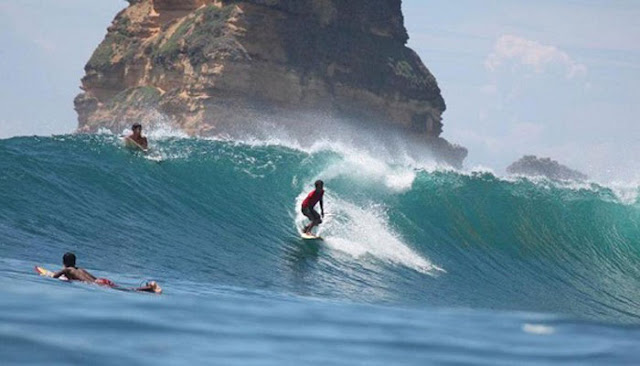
(312, 214)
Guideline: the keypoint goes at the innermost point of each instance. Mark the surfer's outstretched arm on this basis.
(321, 208)
(61, 272)
(151, 286)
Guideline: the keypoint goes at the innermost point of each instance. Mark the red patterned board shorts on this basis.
(105, 282)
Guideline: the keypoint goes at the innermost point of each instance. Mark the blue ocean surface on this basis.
(420, 265)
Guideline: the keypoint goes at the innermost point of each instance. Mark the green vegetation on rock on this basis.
(142, 96)
(403, 69)
(171, 48)
(102, 56)
(118, 38)
(199, 37)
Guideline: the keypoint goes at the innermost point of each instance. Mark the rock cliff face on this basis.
(211, 65)
(531, 165)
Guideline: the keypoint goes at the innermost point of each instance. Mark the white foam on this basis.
(538, 329)
(396, 170)
(164, 131)
(482, 169)
(355, 142)
(104, 131)
(626, 192)
(360, 166)
(364, 231)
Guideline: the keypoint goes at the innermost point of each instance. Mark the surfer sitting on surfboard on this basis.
(136, 139)
(73, 273)
(308, 205)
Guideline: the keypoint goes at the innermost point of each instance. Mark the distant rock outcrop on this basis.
(210, 65)
(531, 165)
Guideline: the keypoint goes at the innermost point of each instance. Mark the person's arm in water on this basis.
(150, 286)
(61, 272)
(321, 208)
(75, 274)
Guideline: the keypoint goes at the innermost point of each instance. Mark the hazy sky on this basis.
(553, 78)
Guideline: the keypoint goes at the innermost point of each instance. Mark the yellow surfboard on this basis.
(43, 272)
(46, 273)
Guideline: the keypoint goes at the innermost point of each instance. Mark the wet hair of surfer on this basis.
(69, 259)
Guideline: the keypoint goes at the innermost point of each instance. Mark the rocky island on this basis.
(531, 165)
(208, 66)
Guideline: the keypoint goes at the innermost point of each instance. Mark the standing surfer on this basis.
(136, 139)
(308, 205)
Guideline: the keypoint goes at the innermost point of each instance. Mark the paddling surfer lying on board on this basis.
(73, 273)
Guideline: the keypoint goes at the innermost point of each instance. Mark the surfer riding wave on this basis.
(308, 205)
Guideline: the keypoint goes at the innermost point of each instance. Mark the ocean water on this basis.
(420, 264)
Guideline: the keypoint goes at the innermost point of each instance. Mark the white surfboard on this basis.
(306, 236)
(130, 144)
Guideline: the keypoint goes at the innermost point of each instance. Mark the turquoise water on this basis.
(418, 265)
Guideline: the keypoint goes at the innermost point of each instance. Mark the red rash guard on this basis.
(312, 198)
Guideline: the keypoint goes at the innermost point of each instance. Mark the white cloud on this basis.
(533, 54)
